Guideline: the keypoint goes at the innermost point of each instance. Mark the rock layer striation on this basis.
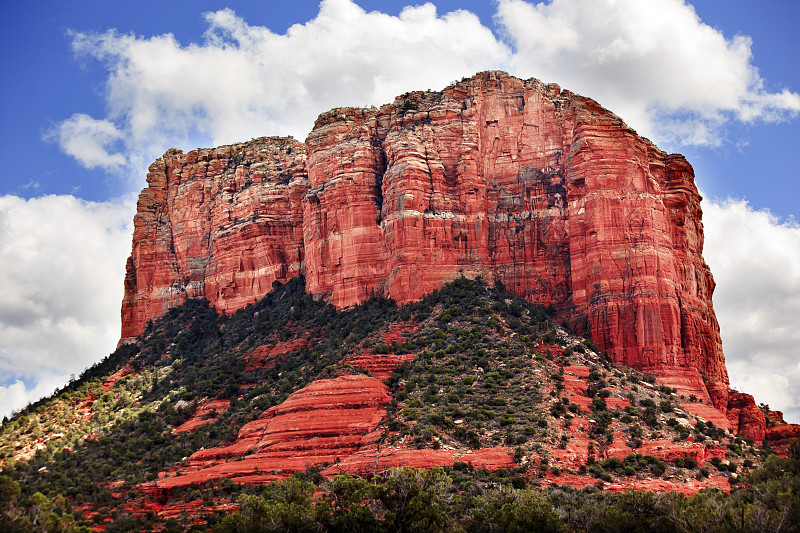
(222, 224)
(513, 180)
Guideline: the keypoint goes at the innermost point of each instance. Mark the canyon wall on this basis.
(513, 180)
(221, 224)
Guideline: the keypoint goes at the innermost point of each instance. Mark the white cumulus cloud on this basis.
(89, 140)
(245, 81)
(656, 64)
(62, 263)
(755, 259)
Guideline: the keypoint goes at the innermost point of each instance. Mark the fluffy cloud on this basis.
(666, 73)
(245, 81)
(17, 394)
(62, 262)
(88, 140)
(656, 64)
(755, 260)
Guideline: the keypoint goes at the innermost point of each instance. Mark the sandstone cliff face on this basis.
(511, 180)
(221, 224)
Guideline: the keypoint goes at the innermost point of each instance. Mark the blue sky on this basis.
(93, 91)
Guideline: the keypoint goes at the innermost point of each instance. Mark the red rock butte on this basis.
(513, 180)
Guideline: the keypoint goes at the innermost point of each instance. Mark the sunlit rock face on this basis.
(512, 180)
(221, 224)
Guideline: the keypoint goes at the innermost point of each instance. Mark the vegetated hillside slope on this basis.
(205, 407)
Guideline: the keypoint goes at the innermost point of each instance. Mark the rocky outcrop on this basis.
(745, 417)
(205, 414)
(328, 419)
(221, 224)
(267, 355)
(328, 422)
(513, 180)
(383, 365)
(523, 183)
(781, 438)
